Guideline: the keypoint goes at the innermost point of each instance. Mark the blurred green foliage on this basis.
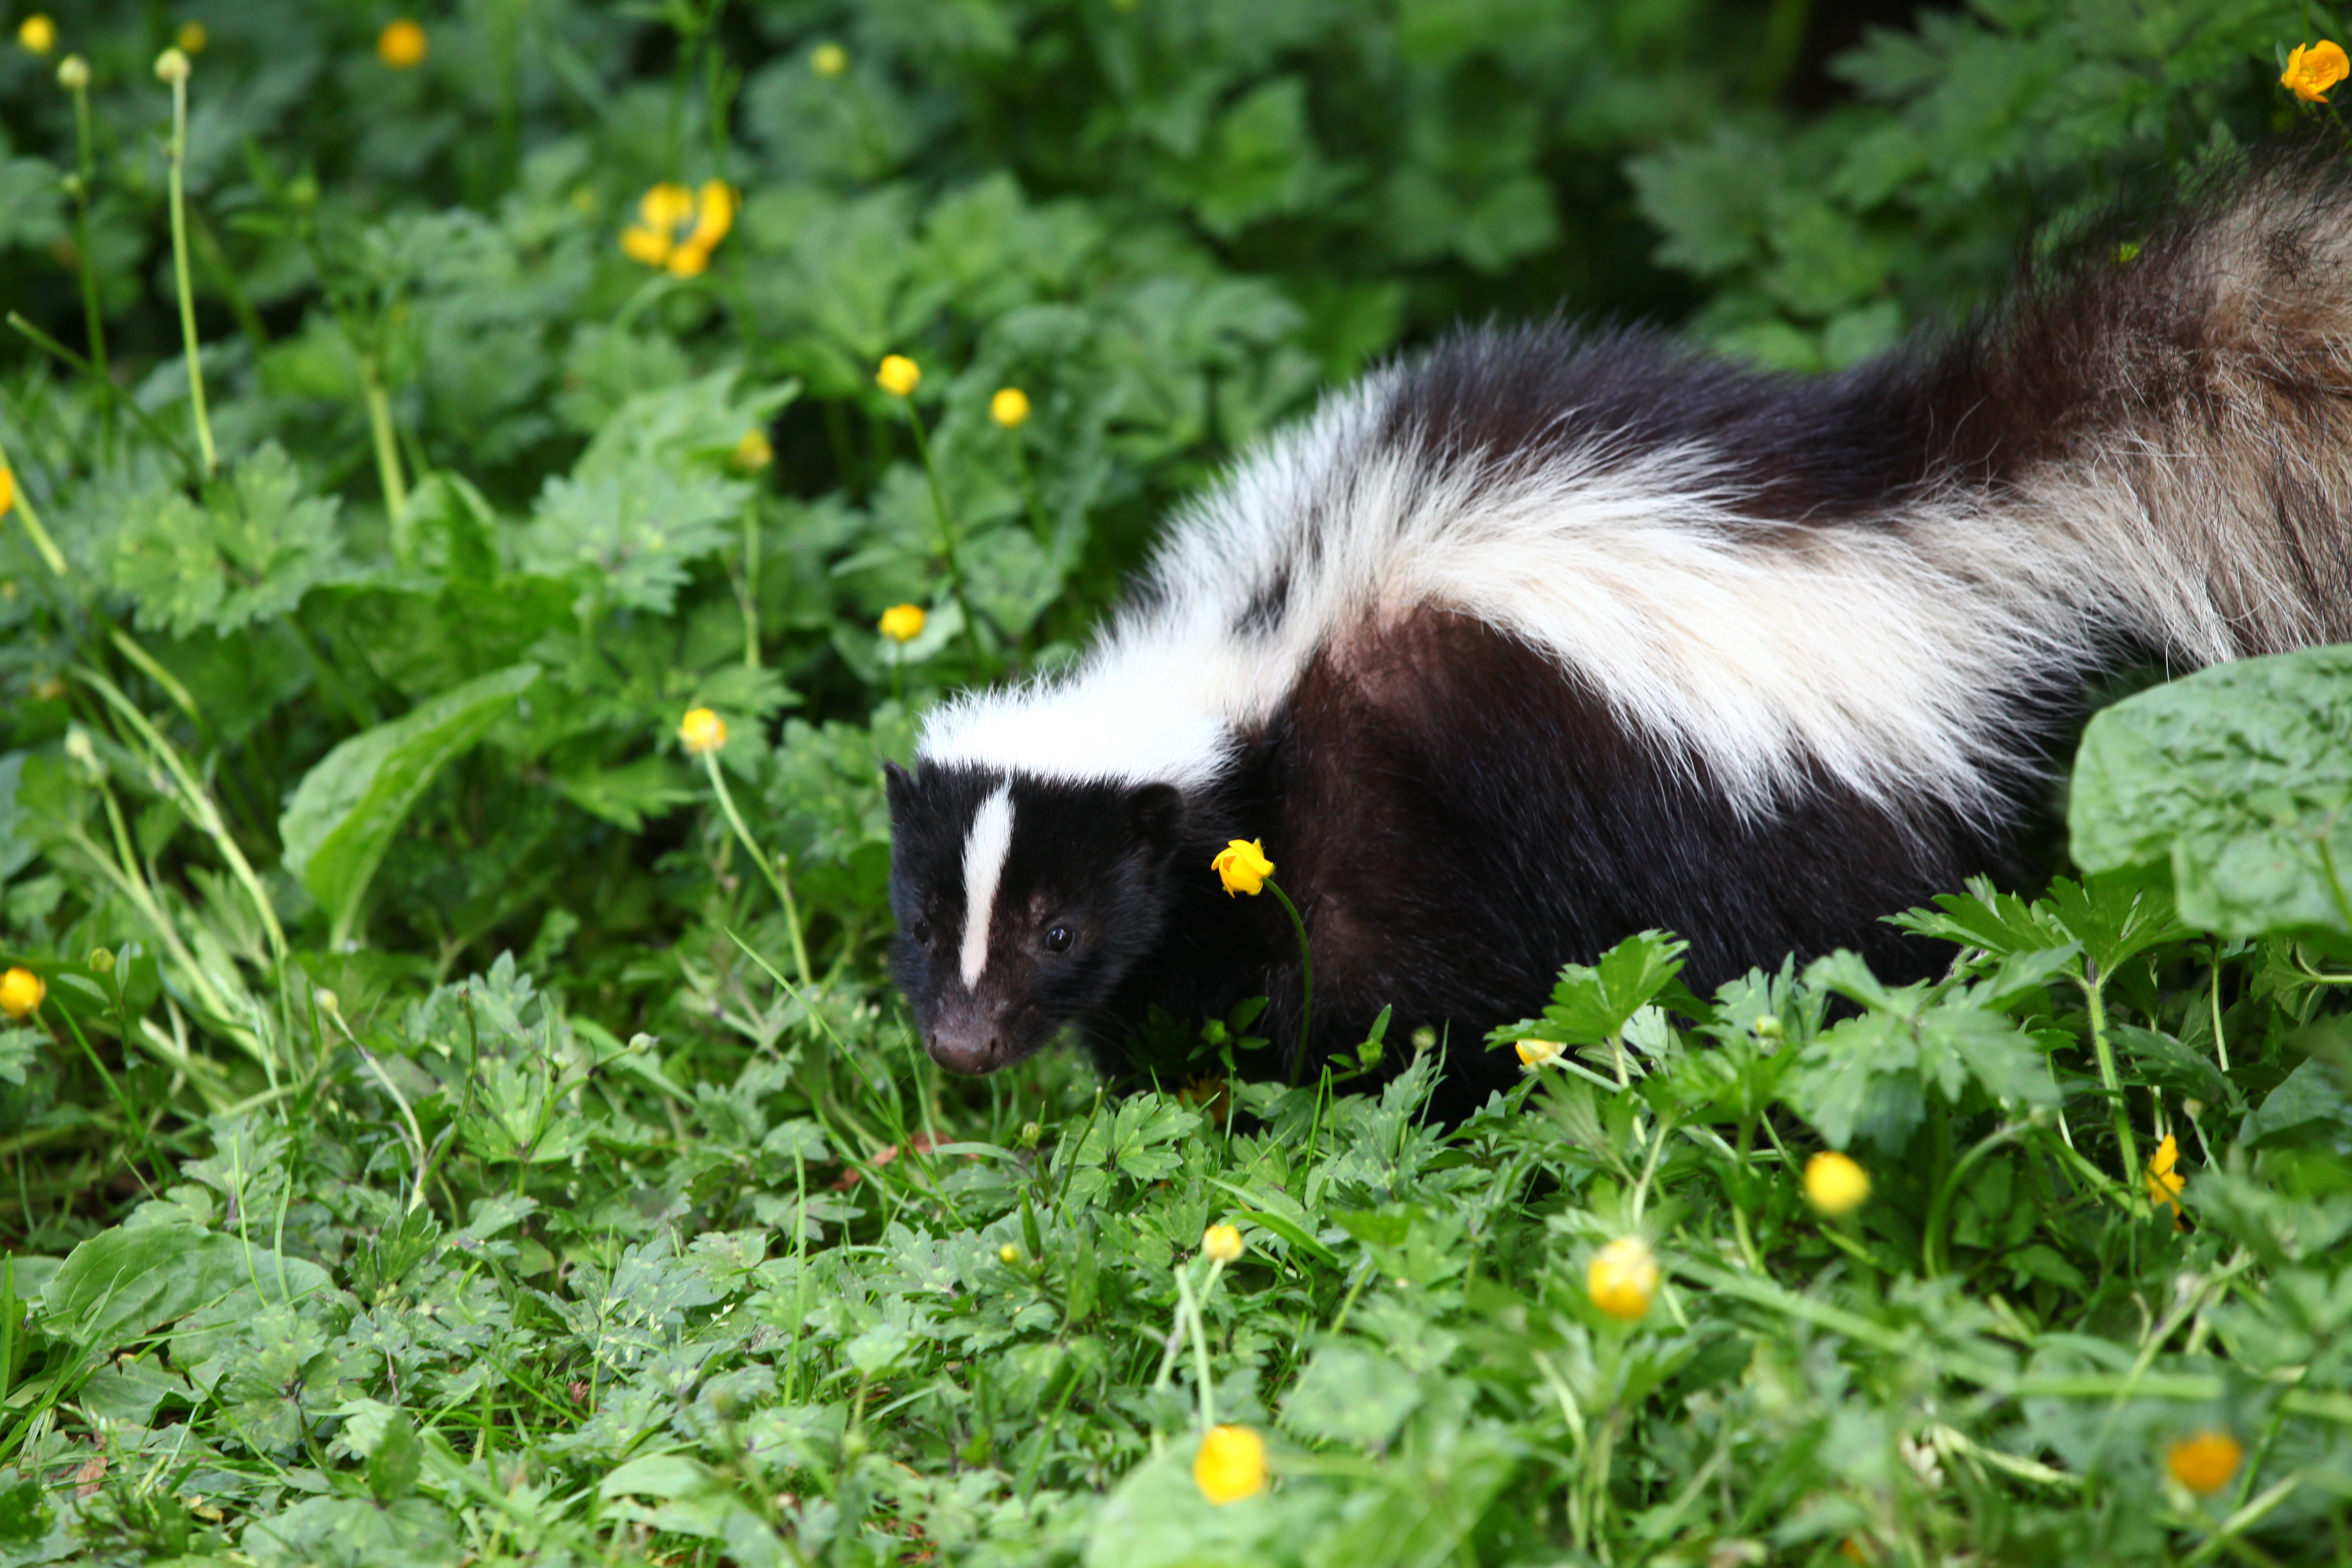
(416, 1157)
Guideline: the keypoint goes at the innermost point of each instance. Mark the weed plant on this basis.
(481, 492)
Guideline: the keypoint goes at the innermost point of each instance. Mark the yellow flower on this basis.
(172, 65)
(2203, 1462)
(402, 45)
(828, 60)
(755, 451)
(1008, 1254)
(1221, 1242)
(1535, 1054)
(2163, 1182)
(1243, 867)
(37, 33)
(1836, 1184)
(677, 230)
(898, 375)
(21, 991)
(701, 731)
(903, 623)
(8, 489)
(1009, 407)
(2310, 71)
(192, 37)
(1231, 1465)
(1622, 1279)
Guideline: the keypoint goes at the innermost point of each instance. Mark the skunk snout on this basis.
(970, 1042)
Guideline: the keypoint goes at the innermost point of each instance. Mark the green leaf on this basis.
(120, 1283)
(1354, 1396)
(347, 808)
(392, 1464)
(249, 551)
(2238, 782)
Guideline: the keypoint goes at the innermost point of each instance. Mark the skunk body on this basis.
(1550, 636)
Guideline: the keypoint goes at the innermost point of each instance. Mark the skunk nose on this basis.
(968, 1050)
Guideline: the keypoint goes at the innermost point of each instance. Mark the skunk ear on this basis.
(899, 785)
(1157, 811)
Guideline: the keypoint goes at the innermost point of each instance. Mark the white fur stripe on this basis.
(985, 850)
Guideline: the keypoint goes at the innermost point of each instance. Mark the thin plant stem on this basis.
(947, 536)
(387, 460)
(94, 320)
(783, 888)
(180, 274)
(2093, 987)
(114, 395)
(1306, 974)
(751, 585)
(33, 529)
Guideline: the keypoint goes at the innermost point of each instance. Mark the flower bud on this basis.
(172, 65)
(1229, 1465)
(2204, 1462)
(73, 73)
(328, 1001)
(903, 623)
(828, 60)
(701, 731)
(1623, 1278)
(1836, 1184)
(101, 961)
(899, 376)
(1009, 407)
(1009, 1255)
(1535, 1054)
(21, 991)
(1221, 1242)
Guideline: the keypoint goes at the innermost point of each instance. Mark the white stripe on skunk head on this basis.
(984, 849)
(1020, 902)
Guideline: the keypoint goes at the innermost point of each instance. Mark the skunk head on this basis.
(1020, 902)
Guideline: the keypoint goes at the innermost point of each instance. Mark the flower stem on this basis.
(783, 888)
(2093, 987)
(85, 169)
(947, 535)
(1306, 977)
(387, 461)
(751, 585)
(33, 529)
(180, 273)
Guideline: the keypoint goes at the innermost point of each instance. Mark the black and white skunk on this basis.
(1552, 636)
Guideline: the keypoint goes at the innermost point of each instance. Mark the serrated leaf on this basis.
(346, 809)
(249, 552)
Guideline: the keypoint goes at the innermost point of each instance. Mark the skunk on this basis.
(1551, 637)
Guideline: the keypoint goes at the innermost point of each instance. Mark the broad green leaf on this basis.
(345, 811)
(120, 1283)
(2237, 781)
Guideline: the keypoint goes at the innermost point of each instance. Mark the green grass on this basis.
(461, 1127)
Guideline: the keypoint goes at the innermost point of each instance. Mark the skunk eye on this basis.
(919, 928)
(1057, 939)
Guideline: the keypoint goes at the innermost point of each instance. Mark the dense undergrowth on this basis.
(437, 1131)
